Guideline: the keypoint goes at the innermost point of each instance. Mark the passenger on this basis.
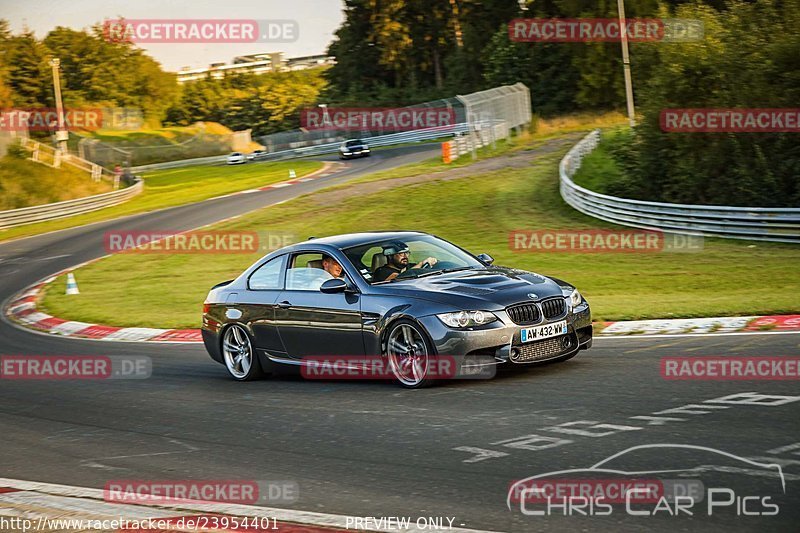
(397, 261)
(332, 266)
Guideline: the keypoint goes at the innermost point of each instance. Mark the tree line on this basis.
(98, 73)
(405, 51)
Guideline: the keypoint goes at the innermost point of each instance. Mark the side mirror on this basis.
(332, 286)
(486, 259)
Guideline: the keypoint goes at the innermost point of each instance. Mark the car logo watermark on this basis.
(577, 492)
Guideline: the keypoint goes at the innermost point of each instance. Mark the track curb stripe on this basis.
(91, 502)
(23, 311)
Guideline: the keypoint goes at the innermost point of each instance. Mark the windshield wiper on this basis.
(456, 269)
(446, 270)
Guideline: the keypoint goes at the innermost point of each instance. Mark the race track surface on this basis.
(372, 449)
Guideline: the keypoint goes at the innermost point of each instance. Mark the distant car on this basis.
(257, 154)
(236, 158)
(286, 310)
(353, 148)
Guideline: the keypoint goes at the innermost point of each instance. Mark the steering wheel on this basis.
(426, 265)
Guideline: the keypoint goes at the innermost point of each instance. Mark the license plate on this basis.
(543, 332)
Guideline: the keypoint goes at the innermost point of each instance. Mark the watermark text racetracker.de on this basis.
(48, 119)
(602, 241)
(738, 120)
(731, 368)
(168, 492)
(74, 367)
(195, 242)
(558, 30)
(376, 367)
(175, 31)
(377, 118)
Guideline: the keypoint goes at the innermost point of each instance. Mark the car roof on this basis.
(349, 240)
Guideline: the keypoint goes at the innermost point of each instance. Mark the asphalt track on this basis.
(372, 449)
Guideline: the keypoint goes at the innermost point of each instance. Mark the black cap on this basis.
(395, 247)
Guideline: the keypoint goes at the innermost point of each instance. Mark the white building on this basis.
(255, 64)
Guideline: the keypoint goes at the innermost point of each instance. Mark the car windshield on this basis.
(356, 142)
(368, 258)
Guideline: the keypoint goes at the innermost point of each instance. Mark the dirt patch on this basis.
(519, 159)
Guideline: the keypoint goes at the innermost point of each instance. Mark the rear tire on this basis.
(239, 355)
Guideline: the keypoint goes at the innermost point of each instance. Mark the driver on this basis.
(396, 253)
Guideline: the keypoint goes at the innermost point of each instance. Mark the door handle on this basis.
(284, 305)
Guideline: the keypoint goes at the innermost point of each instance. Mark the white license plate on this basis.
(543, 332)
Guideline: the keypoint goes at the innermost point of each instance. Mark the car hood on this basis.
(490, 289)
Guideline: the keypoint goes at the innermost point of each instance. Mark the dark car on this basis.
(287, 310)
(257, 155)
(353, 148)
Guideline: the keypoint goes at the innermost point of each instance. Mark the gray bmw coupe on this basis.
(406, 298)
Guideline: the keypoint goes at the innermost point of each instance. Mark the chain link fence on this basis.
(489, 115)
(493, 113)
(145, 150)
(508, 107)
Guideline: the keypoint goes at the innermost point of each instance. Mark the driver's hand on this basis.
(431, 261)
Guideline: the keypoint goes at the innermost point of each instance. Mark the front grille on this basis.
(545, 349)
(553, 308)
(523, 314)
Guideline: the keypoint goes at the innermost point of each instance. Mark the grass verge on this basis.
(169, 188)
(24, 183)
(477, 212)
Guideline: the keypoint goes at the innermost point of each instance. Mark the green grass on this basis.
(600, 169)
(478, 212)
(168, 188)
(24, 183)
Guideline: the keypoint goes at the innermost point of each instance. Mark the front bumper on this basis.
(500, 341)
(351, 155)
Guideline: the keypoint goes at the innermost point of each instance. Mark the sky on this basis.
(317, 20)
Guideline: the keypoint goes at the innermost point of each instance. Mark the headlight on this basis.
(465, 319)
(572, 295)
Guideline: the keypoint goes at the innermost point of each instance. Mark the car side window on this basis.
(306, 272)
(268, 276)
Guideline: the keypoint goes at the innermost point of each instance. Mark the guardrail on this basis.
(319, 149)
(41, 213)
(753, 223)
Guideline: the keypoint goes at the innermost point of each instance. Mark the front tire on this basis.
(239, 356)
(409, 355)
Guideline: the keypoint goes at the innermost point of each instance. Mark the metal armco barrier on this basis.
(41, 213)
(319, 149)
(754, 223)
